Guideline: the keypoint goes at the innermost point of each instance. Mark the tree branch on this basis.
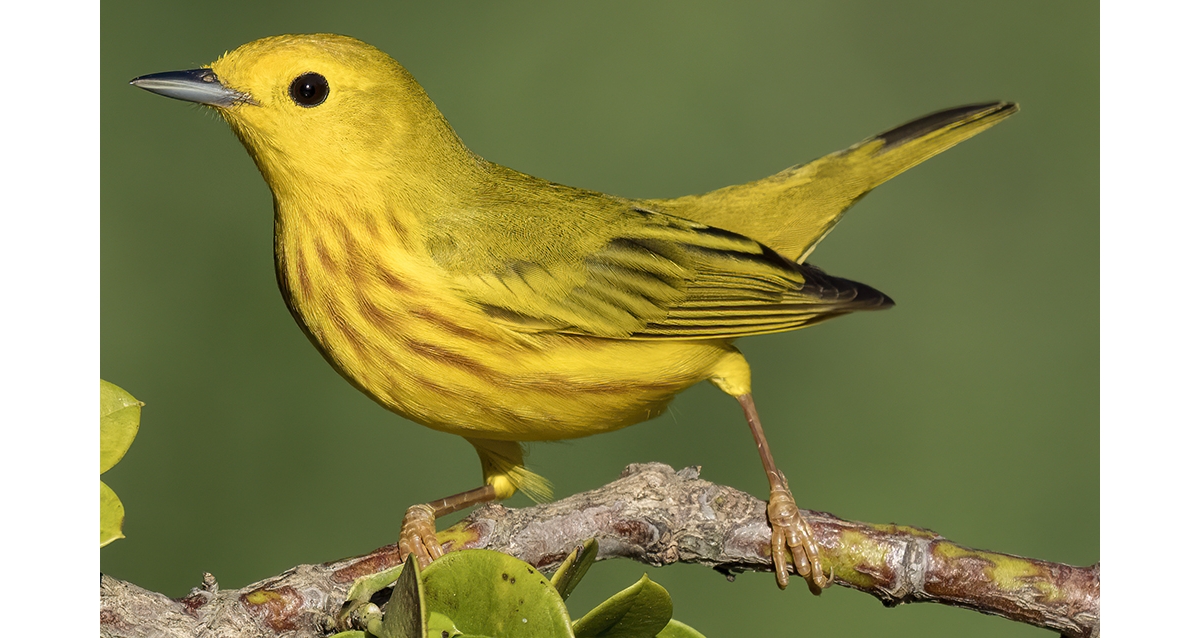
(657, 516)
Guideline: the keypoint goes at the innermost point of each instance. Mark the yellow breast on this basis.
(381, 313)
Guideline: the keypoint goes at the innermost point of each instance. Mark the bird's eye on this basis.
(309, 90)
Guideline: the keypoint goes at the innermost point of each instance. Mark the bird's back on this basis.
(539, 257)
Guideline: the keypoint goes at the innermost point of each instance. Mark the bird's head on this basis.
(318, 108)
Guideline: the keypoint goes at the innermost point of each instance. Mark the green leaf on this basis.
(574, 567)
(350, 634)
(404, 616)
(438, 624)
(676, 629)
(640, 611)
(112, 515)
(365, 587)
(119, 417)
(488, 593)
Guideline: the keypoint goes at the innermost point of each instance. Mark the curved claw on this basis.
(790, 533)
(418, 535)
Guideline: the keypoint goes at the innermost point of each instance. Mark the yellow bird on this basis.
(483, 302)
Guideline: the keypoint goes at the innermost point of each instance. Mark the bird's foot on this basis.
(790, 533)
(418, 535)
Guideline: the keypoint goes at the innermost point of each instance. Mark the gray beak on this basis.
(198, 85)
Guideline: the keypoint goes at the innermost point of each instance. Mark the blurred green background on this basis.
(972, 408)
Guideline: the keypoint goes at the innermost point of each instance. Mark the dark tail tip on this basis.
(934, 121)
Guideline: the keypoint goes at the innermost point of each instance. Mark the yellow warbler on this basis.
(483, 302)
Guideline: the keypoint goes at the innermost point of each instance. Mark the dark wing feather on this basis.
(663, 277)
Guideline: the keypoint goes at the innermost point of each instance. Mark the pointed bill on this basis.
(198, 85)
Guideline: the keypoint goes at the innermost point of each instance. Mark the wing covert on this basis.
(656, 276)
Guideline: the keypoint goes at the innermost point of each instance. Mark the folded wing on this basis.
(661, 277)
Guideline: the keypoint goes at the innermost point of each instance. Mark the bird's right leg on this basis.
(791, 536)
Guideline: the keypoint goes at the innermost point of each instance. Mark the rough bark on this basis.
(657, 516)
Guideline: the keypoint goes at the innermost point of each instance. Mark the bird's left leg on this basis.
(790, 533)
(418, 538)
(503, 474)
(418, 531)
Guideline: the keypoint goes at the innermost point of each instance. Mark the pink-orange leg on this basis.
(418, 531)
(790, 533)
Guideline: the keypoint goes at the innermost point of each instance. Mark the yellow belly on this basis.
(559, 387)
(436, 360)
(541, 388)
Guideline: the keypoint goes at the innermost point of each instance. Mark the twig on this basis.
(657, 516)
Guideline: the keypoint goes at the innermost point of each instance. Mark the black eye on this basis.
(309, 89)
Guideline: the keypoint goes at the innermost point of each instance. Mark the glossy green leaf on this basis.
(404, 616)
(112, 515)
(574, 567)
(354, 633)
(119, 417)
(358, 610)
(488, 593)
(439, 626)
(365, 587)
(639, 611)
(676, 629)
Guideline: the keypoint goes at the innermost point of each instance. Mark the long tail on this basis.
(794, 209)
